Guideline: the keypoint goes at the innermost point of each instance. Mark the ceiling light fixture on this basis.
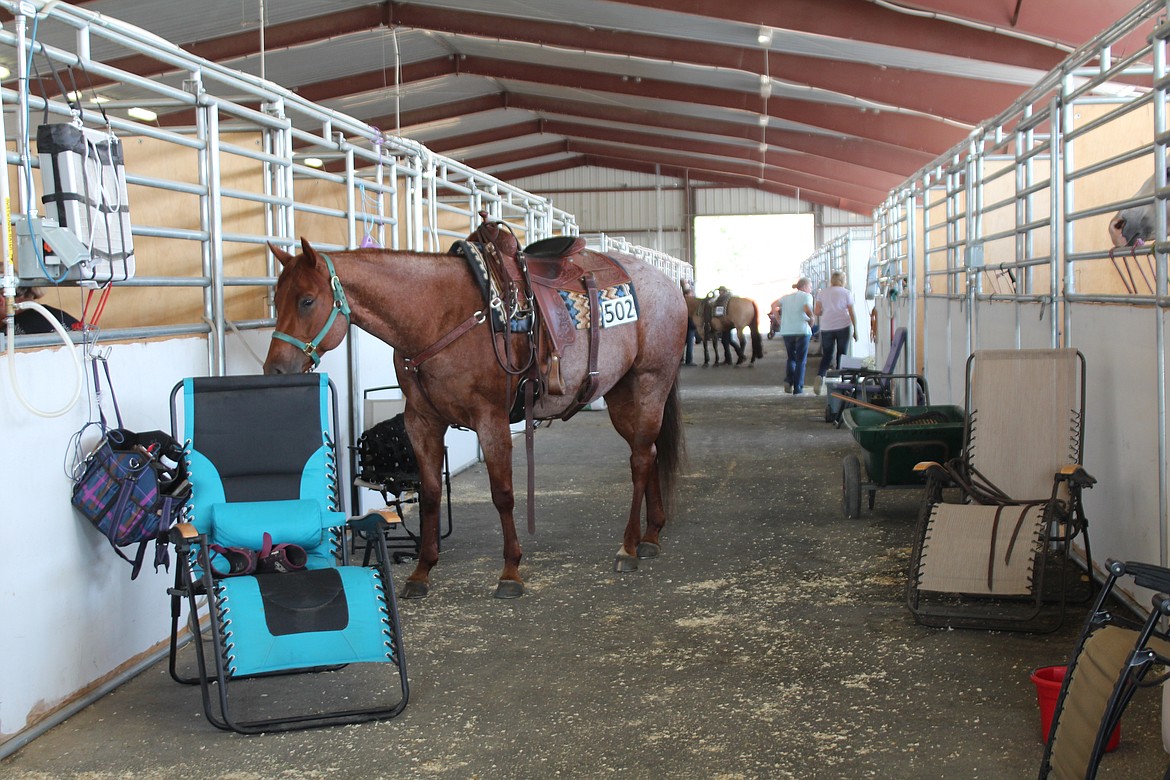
(144, 114)
(4, 72)
(314, 162)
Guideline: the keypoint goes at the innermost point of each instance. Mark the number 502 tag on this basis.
(618, 311)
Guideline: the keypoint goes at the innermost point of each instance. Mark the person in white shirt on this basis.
(835, 308)
(796, 316)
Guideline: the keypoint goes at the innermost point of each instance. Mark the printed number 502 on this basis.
(617, 311)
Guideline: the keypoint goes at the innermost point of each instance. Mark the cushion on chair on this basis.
(298, 521)
(955, 551)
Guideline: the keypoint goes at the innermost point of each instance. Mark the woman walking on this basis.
(796, 316)
(835, 308)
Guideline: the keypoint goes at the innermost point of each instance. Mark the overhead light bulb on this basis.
(4, 72)
(144, 114)
(765, 37)
(314, 162)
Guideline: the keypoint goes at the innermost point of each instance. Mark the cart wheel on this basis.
(851, 486)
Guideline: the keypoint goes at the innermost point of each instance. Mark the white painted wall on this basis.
(70, 614)
(1121, 436)
(857, 258)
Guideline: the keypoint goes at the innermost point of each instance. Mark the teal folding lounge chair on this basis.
(264, 544)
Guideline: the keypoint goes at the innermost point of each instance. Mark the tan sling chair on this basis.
(1113, 658)
(999, 558)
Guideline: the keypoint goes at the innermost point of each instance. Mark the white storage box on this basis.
(83, 177)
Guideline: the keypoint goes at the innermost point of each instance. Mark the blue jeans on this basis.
(833, 341)
(797, 348)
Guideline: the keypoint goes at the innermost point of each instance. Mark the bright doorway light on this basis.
(756, 256)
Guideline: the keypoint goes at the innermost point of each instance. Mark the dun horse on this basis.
(451, 363)
(715, 323)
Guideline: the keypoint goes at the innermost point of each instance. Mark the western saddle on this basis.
(532, 280)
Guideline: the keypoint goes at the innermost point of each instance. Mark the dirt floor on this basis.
(769, 640)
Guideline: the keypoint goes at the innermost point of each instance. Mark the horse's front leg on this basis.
(706, 354)
(496, 442)
(427, 438)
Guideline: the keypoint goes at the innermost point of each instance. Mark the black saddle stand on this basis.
(386, 463)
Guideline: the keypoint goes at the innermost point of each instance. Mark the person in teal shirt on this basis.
(796, 317)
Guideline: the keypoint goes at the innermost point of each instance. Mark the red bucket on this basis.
(1047, 680)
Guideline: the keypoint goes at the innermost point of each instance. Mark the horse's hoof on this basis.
(648, 550)
(625, 563)
(509, 589)
(415, 589)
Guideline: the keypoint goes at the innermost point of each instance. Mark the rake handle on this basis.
(875, 407)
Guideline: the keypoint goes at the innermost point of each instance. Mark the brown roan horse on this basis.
(415, 301)
(740, 315)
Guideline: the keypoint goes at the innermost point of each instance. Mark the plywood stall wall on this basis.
(321, 228)
(333, 229)
(1003, 218)
(1124, 132)
(167, 257)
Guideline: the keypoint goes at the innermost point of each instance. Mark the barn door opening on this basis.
(756, 256)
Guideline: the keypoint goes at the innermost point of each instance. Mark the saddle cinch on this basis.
(542, 271)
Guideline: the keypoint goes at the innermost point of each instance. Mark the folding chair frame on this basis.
(195, 587)
(872, 386)
(1063, 521)
(1133, 671)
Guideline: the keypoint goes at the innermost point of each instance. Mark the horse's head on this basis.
(1136, 224)
(308, 300)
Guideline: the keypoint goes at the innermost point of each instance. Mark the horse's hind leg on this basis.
(739, 349)
(636, 412)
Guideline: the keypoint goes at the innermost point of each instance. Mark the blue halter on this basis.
(340, 306)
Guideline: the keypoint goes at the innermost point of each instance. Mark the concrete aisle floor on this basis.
(770, 639)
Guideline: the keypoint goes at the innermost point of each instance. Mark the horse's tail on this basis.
(671, 447)
(754, 329)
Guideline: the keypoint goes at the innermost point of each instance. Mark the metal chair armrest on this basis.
(1076, 476)
(373, 522)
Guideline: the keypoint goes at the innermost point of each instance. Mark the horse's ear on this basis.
(284, 257)
(308, 251)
